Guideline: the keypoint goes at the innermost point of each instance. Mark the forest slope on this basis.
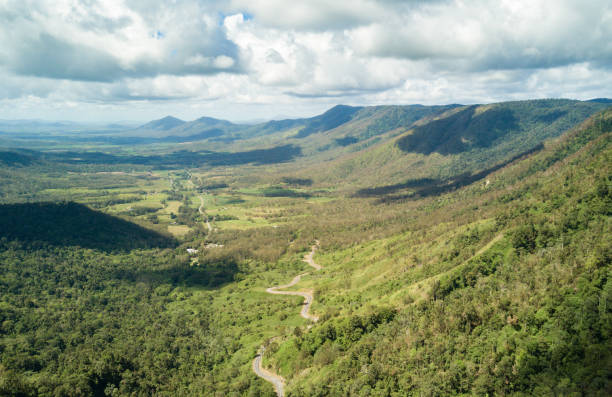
(459, 141)
(497, 288)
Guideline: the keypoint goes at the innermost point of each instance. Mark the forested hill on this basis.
(446, 145)
(501, 288)
(73, 224)
(491, 121)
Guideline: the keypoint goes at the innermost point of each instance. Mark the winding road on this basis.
(277, 380)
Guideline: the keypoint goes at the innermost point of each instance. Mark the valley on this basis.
(450, 250)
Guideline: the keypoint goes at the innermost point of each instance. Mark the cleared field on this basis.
(178, 230)
(172, 207)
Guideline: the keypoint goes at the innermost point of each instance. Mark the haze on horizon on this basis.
(251, 59)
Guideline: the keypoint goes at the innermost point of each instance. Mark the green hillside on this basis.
(423, 141)
(465, 250)
(499, 288)
(455, 143)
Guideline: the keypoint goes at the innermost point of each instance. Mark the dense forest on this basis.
(134, 275)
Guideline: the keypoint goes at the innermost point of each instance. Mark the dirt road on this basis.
(306, 295)
(277, 380)
(201, 211)
(308, 257)
(419, 290)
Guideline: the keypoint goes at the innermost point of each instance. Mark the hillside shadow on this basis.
(73, 224)
(346, 141)
(15, 158)
(460, 132)
(184, 158)
(296, 181)
(208, 275)
(426, 187)
(279, 191)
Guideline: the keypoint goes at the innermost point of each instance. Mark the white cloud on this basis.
(311, 14)
(269, 54)
(223, 62)
(494, 35)
(108, 40)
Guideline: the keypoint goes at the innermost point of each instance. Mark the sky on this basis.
(137, 60)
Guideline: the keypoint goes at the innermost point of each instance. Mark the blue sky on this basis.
(94, 60)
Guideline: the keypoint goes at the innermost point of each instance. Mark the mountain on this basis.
(164, 124)
(361, 121)
(205, 127)
(482, 126)
(446, 129)
(170, 129)
(331, 119)
(402, 143)
(502, 130)
(445, 142)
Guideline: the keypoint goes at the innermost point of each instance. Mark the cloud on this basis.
(481, 35)
(308, 64)
(269, 54)
(108, 40)
(310, 14)
(48, 56)
(324, 15)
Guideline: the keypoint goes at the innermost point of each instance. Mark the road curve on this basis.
(276, 380)
(308, 257)
(306, 295)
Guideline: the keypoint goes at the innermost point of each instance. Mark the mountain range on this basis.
(402, 143)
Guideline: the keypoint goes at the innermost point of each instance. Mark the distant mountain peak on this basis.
(163, 124)
(206, 118)
(170, 118)
(331, 119)
(211, 121)
(341, 107)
